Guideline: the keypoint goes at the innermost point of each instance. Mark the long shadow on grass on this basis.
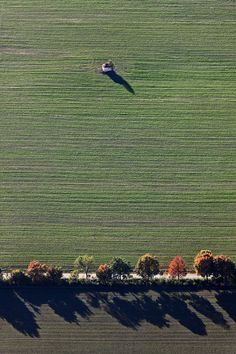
(119, 80)
(15, 311)
(203, 306)
(227, 300)
(129, 312)
(143, 307)
(64, 302)
(178, 309)
(131, 309)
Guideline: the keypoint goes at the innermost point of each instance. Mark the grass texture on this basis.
(87, 167)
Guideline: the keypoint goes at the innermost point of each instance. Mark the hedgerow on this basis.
(216, 272)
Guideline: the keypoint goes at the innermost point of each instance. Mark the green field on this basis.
(87, 167)
(40, 320)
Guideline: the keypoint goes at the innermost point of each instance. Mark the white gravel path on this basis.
(6, 275)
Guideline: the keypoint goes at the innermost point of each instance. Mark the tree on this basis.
(203, 263)
(54, 274)
(104, 273)
(177, 267)
(147, 266)
(37, 271)
(84, 264)
(204, 253)
(120, 268)
(224, 267)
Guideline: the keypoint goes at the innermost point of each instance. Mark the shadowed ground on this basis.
(64, 320)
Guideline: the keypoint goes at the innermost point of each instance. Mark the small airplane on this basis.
(108, 66)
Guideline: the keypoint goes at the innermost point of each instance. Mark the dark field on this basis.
(43, 320)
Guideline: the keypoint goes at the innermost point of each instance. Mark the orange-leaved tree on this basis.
(177, 267)
(104, 273)
(203, 263)
(147, 266)
(37, 271)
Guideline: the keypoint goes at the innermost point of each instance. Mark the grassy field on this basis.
(87, 167)
(66, 321)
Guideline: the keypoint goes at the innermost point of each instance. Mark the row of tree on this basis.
(205, 264)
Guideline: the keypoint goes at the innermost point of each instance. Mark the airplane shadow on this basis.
(118, 79)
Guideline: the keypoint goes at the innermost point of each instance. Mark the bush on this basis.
(18, 277)
(74, 277)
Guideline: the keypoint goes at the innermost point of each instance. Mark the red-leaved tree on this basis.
(177, 267)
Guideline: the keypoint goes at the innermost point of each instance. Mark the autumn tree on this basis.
(120, 268)
(224, 267)
(37, 271)
(84, 264)
(203, 263)
(104, 273)
(147, 266)
(177, 267)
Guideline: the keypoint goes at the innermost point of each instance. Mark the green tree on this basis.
(84, 264)
(147, 266)
(120, 268)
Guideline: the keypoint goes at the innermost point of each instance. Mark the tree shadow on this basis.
(227, 300)
(19, 307)
(93, 300)
(118, 79)
(64, 302)
(178, 309)
(130, 312)
(203, 306)
(152, 311)
(14, 310)
(125, 312)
